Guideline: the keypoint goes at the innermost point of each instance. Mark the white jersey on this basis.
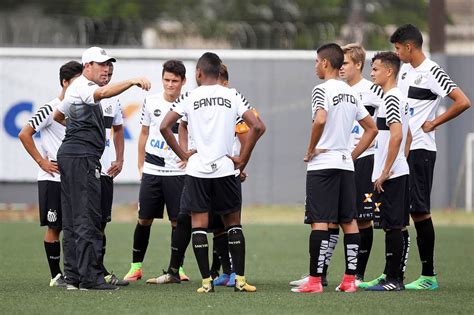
(342, 107)
(371, 96)
(159, 157)
(112, 117)
(424, 87)
(51, 135)
(211, 112)
(393, 110)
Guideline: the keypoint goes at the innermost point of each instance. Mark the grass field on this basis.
(276, 254)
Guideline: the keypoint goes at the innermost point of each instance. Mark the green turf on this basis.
(276, 254)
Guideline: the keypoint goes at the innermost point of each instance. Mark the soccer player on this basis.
(162, 175)
(49, 180)
(390, 174)
(212, 180)
(330, 184)
(79, 165)
(424, 83)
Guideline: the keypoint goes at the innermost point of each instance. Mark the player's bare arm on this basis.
(370, 132)
(59, 117)
(316, 132)
(256, 130)
(461, 103)
(142, 139)
(183, 135)
(116, 166)
(26, 137)
(165, 128)
(396, 137)
(408, 142)
(114, 89)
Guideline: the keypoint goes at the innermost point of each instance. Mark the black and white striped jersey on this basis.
(394, 109)
(424, 87)
(371, 97)
(51, 135)
(112, 117)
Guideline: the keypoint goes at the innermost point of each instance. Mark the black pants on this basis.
(82, 237)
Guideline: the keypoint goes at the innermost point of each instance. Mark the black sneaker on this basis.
(387, 285)
(112, 279)
(103, 286)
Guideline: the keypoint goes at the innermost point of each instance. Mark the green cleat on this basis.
(423, 283)
(364, 285)
(135, 272)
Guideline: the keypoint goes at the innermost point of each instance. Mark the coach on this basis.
(79, 165)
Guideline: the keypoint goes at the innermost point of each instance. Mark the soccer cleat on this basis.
(231, 282)
(112, 279)
(348, 284)
(182, 275)
(58, 281)
(164, 279)
(365, 285)
(300, 282)
(222, 280)
(103, 286)
(242, 286)
(207, 286)
(423, 283)
(387, 285)
(313, 285)
(135, 272)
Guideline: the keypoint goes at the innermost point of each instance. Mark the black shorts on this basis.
(330, 196)
(221, 195)
(364, 187)
(49, 196)
(156, 192)
(106, 198)
(421, 163)
(392, 205)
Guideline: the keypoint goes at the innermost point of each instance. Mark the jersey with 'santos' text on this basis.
(211, 112)
(424, 87)
(370, 96)
(342, 107)
(51, 135)
(159, 157)
(393, 110)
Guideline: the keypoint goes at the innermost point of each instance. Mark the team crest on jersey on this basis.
(404, 76)
(52, 215)
(157, 113)
(214, 166)
(418, 79)
(108, 110)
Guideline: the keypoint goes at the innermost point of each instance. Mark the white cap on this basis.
(95, 54)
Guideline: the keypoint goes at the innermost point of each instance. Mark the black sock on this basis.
(236, 241)
(140, 242)
(425, 238)
(216, 262)
(318, 247)
(221, 244)
(406, 251)
(53, 254)
(366, 240)
(179, 242)
(351, 250)
(393, 253)
(201, 250)
(104, 241)
(333, 239)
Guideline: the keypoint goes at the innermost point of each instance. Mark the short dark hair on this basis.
(69, 70)
(176, 67)
(210, 64)
(407, 33)
(333, 53)
(223, 73)
(388, 58)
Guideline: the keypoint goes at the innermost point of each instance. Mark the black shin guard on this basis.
(221, 245)
(201, 250)
(53, 254)
(393, 253)
(179, 242)
(140, 242)
(425, 238)
(236, 241)
(366, 240)
(318, 247)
